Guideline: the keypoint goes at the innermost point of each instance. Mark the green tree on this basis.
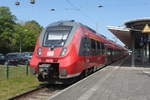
(15, 37)
(31, 31)
(7, 22)
(19, 36)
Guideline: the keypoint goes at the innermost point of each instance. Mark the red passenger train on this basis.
(67, 50)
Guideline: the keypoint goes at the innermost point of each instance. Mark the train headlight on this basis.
(63, 52)
(39, 51)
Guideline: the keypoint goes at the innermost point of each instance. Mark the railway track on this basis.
(40, 93)
(43, 92)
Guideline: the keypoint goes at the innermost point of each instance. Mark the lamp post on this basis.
(97, 24)
(20, 44)
(21, 40)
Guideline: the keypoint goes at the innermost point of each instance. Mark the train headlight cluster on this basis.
(39, 51)
(63, 52)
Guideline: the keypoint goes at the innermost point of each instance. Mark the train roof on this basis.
(73, 23)
(67, 23)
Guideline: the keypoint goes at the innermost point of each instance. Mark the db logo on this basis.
(50, 53)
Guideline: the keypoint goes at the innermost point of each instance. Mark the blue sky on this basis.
(114, 12)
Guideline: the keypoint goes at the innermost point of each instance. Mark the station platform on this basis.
(118, 81)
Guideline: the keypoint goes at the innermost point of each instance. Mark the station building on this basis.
(136, 36)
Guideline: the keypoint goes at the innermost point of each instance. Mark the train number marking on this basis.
(50, 53)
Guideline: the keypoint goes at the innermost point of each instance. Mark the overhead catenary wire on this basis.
(83, 13)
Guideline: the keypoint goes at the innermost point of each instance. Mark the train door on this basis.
(84, 51)
(106, 55)
(88, 51)
(99, 56)
(93, 57)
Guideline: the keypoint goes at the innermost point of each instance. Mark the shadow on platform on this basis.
(138, 63)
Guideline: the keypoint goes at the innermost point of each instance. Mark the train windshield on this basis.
(56, 36)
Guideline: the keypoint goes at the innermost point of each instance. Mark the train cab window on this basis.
(56, 35)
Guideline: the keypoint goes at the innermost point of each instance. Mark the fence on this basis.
(7, 71)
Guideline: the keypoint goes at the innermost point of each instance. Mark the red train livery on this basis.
(67, 50)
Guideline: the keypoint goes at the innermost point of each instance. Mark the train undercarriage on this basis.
(50, 72)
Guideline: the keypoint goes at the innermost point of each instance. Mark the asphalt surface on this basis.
(115, 82)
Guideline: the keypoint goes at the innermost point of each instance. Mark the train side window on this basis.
(93, 47)
(114, 52)
(108, 51)
(84, 47)
(111, 51)
(87, 46)
(85, 42)
(98, 48)
(102, 48)
(100, 52)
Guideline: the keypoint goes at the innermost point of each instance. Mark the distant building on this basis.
(136, 36)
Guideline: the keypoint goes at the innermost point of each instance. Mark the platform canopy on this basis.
(138, 24)
(122, 33)
(141, 26)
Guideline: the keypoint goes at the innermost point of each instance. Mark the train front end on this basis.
(52, 57)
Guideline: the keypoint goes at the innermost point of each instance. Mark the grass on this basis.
(17, 83)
